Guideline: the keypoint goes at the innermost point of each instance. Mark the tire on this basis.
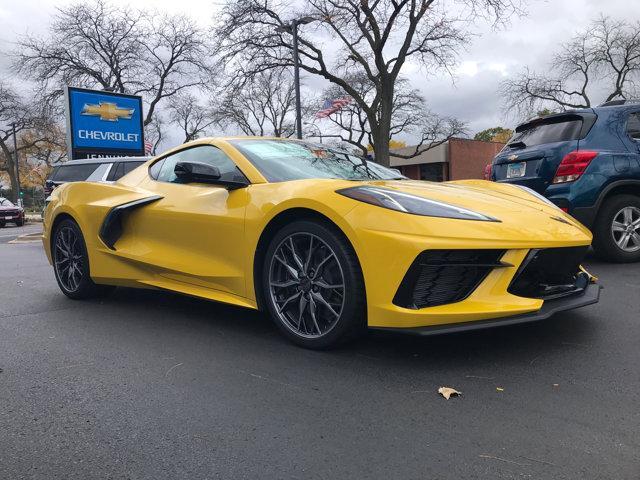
(68, 241)
(331, 314)
(2, 224)
(19, 223)
(608, 237)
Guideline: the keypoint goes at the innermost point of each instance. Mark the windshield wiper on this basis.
(517, 145)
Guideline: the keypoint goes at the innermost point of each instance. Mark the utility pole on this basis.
(292, 28)
(296, 77)
(15, 158)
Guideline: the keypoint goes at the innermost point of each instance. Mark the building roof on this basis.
(437, 154)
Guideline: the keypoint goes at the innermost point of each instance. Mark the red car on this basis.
(10, 213)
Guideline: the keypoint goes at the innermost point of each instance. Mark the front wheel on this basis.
(71, 263)
(617, 229)
(313, 285)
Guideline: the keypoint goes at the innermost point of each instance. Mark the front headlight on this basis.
(537, 195)
(407, 203)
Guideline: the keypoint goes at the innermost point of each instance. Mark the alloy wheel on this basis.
(625, 229)
(68, 258)
(306, 285)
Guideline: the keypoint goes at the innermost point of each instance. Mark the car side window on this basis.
(54, 172)
(130, 166)
(75, 172)
(633, 126)
(202, 154)
(98, 173)
(119, 172)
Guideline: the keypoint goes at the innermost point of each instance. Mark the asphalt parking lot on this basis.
(10, 232)
(150, 385)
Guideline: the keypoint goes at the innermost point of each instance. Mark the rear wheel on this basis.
(313, 286)
(71, 263)
(617, 229)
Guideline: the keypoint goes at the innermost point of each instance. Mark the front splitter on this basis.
(589, 296)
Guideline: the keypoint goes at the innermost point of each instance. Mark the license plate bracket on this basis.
(516, 170)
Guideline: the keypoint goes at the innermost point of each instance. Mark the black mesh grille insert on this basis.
(549, 273)
(437, 277)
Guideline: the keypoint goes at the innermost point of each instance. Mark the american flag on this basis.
(332, 105)
(148, 147)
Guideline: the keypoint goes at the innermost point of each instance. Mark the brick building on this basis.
(457, 159)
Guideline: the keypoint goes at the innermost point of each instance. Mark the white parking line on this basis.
(17, 235)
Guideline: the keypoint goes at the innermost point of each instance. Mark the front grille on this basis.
(550, 273)
(438, 277)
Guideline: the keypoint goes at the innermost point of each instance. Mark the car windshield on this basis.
(282, 160)
(6, 203)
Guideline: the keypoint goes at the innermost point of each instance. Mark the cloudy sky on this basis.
(471, 95)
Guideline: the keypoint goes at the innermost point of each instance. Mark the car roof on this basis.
(90, 161)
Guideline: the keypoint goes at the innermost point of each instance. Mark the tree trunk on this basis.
(381, 130)
(381, 146)
(11, 171)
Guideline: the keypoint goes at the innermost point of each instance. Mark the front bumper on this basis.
(589, 296)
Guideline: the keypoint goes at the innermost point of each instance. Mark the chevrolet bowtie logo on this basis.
(107, 111)
(511, 158)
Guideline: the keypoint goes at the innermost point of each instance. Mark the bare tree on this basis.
(35, 133)
(607, 54)
(193, 118)
(155, 133)
(117, 49)
(260, 104)
(409, 115)
(374, 36)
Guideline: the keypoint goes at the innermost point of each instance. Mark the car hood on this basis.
(10, 209)
(523, 218)
(489, 198)
(502, 201)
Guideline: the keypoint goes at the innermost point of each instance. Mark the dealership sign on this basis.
(103, 124)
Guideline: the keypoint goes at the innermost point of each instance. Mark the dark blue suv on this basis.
(587, 162)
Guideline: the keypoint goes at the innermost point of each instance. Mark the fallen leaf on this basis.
(447, 392)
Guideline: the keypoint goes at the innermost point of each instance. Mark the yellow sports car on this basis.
(325, 241)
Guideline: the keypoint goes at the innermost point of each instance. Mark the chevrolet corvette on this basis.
(327, 242)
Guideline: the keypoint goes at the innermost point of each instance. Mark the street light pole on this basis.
(296, 77)
(15, 157)
(309, 124)
(292, 28)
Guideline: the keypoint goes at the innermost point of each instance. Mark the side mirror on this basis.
(197, 172)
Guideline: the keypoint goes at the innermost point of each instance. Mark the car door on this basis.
(195, 233)
(631, 138)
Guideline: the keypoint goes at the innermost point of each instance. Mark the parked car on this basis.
(587, 162)
(10, 213)
(324, 241)
(92, 170)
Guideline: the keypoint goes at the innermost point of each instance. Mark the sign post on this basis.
(103, 124)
